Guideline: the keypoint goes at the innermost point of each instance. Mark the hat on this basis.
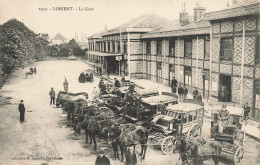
(21, 100)
(51, 87)
(101, 152)
(131, 148)
(224, 106)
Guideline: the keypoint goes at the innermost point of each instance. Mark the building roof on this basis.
(97, 35)
(59, 37)
(143, 23)
(235, 11)
(175, 28)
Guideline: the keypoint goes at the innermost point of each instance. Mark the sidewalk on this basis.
(252, 128)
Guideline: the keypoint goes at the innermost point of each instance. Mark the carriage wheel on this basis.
(238, 156)
(167, 144)
(194, 131)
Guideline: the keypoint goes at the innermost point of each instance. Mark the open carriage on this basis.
(227, 128)
(182, 118)
(63, 97)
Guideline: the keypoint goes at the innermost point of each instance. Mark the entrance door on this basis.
(159, 72)
(187, 77)
(171, 73)
(224, 88)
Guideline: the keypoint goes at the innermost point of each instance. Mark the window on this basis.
(125, 47)
(113, 46)
(257, 92)
(187, 76)
(148, 47)
(172, 47)
(226, 49)
(118, 47)
(187, 48)
(108, 46)
(159, 47)
(207, 48)
(104, 47)
(159, 65)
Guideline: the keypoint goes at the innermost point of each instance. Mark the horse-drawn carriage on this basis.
(177, 119)
(63, 97)
(227, 128)
(85, 77)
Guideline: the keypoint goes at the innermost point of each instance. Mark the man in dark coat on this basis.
(22, 111)
(102, 159)
(199, 97)
(108, 71)
(100, 83)
(117, 83)
(185, 92)
(52, 96)
(131, 88)
(246, 111)
(180, 93)
(100, 71)
(130, 158)
(174, 85)
(195, 93)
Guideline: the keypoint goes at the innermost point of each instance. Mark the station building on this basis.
(217, 52)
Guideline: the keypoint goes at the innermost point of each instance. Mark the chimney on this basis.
(183, 15)
(198, 12)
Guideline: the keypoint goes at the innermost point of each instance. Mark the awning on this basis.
(103, 54)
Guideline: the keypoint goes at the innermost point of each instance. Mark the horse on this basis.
(28, 73)
(197, 150)
(129, 135)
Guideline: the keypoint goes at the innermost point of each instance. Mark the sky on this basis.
(105, 13)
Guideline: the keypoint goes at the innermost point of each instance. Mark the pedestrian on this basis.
(131, 87)
(246, 111)
(103, 89)
(123, 79)
(199, 97)
(66, 85)
(108, 71)
(185, 92)
(100, 83)
(100, 71)
(117, 83)
(102, 159)
(35, 70)
(31, 70)
(195, 93)
(174, 85)
(91, 77)
(52, 96)
(21, 109)
(97, 70)
(180, 93)
(130, 158)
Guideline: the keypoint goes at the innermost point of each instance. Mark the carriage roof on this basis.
(164, 117)
(232, 110)
(184, 107)
(154, 100)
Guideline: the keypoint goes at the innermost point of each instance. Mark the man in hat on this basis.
(100, 83)
(174, 85)
(22, 111)
(195, 93)
(180, 93)
(102, 159)
(130, 158)
(117, 83)
(185, 92)
(66, 85)
(52, 96)
(224, 118)
(199, 97)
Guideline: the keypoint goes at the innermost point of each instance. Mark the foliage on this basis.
(19, 46)
(70, 48)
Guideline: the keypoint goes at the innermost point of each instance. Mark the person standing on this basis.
(21, 109)
(35, 70)
(180, 93)
(102, 159)
(123, 79)
(130, 158)
(66, 85)
(91, 77)
(100, 83)
(52, 96)
(108, 71)
(246, 111)
(174, 85)
(100, 71)
(117, 83)
(195, 93)
(199, 97)
(185, 92)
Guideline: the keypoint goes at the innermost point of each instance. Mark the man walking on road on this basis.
(66, 85)
(52, 96)
(102, 159)
(100, 71)
(22, 111)
(174, 85)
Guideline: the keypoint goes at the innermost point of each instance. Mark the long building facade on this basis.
(217, 53)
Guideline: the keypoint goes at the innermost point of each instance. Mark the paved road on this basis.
(44, 137)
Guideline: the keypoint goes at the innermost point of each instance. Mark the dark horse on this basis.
(197, 150)
(129, 135)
